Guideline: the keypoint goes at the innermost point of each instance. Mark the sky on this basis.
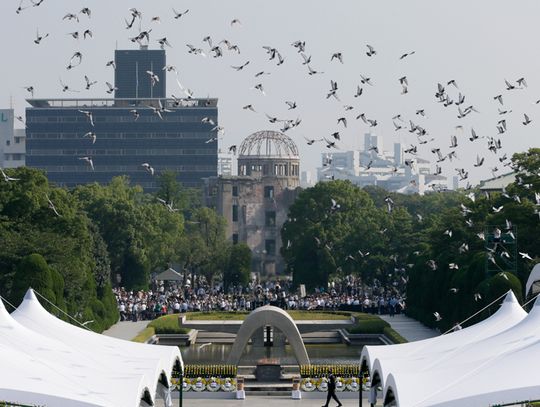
(477, 43)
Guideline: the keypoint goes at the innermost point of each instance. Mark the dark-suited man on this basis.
(332, 389)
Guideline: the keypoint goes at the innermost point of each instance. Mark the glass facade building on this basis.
(179, 142)
(131, 77)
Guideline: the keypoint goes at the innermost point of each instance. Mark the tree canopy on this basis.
(456, 251)
(70, 245)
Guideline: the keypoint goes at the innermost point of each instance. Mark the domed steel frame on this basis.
(268, 143)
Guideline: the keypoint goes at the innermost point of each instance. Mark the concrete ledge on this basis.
(218, 395)
(365, 339)
(177, 339)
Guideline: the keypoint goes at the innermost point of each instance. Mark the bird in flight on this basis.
(6, 177)
(89, 161)
(177, 15)
(111, 88)
(51, 205)
(89, 83)
(338, 56)
(39, 37)
(371, 51)
(153, 77)
(525, 256)
(29, 89)
(92, 136)
(148, 168)
(365, 80)
(240, 67)
(406, 55)
(75, 60)
(135, 113)
(89, 116)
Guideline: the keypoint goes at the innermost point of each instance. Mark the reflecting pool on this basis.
(209, 353)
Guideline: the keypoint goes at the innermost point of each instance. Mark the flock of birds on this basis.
(447, 94)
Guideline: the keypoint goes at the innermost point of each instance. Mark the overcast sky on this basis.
(478, 43)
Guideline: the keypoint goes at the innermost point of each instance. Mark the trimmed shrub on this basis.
(168, 324)
(369, 326)
(395, 337)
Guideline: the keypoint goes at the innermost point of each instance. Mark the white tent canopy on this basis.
(498, 369)
(533, 282)
(169, 275)
(98, 377)
(115, 372)
(384, 359)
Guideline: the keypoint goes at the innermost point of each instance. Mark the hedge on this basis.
(167, 324)
(372, 324)
(393, 335)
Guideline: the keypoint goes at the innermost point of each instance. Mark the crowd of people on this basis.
(347, 294)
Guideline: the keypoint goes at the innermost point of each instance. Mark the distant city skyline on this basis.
(478, 45)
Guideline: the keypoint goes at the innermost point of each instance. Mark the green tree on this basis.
(238, 267)
(33, 272)
(327, 226)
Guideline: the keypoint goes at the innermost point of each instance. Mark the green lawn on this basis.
(240, 316)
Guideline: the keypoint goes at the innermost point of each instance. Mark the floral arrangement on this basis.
(308, 384)
(194, 371)
(323, 370)
(314, 377)
(200, 384)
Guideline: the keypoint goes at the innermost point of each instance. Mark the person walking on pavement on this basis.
(332, 389)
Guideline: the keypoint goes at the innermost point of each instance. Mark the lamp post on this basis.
(181, 390)
(180, 370)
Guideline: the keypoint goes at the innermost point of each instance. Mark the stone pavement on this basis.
(126, 329)
(409, 328)
(262, 401)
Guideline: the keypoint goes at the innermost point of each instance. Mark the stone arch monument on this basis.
(276, 317)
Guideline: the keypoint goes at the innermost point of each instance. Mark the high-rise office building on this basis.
(131, 75)
(80, 141)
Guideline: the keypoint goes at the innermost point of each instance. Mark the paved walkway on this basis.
(126, 329)
(262, 401)
(409, 328)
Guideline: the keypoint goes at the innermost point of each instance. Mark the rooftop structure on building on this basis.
(498, 183)
(374, 166)
(12, 141)
(86, 140)
(131, 73)
(255, 203)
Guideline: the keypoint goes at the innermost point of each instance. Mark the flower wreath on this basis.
(340, 384)
(308, 385)
(352, 384)
(213, 384)
(228, 384)
(323, 384)
(174, 383)
(198, 384)
(186, 384)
